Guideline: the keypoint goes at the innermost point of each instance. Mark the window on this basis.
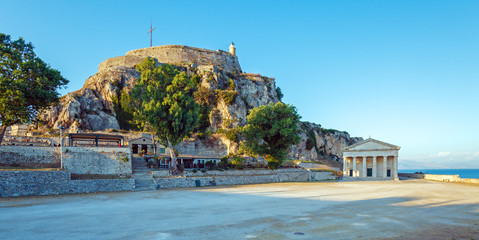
(350, 173)
(389, 173)
(370, 172)
(162, 150)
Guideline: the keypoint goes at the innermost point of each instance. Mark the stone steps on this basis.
(144, 181)
(138, 164)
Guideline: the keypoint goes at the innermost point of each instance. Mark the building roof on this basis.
(191, 156)
(369, 145)
(87, 136)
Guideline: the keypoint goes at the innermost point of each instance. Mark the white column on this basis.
(345, 166)
(365, 172)
(395, 165)
(385, 166)
(374, 166)
(354, 166)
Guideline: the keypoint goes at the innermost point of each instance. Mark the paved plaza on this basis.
(408, 209)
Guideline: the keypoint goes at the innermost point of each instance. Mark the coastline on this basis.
(439, 177)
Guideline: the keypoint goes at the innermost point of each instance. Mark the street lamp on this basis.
(61, 146)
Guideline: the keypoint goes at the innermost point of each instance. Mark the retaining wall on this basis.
(321, 176)
(30, 156)
(97, 160)
(231, 177)
(286, 175)
(34, 183)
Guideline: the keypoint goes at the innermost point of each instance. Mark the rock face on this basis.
(91, 108)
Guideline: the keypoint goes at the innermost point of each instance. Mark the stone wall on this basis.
(321, 176)
(97, 160)
(441, 178)
(34, 183)
(175, 54)
(317, 165)
(30, 156)
(231, 177)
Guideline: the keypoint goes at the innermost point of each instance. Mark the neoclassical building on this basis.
(371, 159)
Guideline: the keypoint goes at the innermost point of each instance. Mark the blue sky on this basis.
(404, 72)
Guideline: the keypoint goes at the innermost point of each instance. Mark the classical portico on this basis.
(371, 159)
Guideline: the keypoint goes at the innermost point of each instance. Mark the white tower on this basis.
(233, 48)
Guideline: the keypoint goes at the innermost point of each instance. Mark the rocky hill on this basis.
(229, 93)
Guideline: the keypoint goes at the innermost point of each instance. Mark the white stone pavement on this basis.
(329, 210)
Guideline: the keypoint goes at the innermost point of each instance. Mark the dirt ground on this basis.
(408, 209)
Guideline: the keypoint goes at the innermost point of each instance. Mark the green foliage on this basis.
(279, 93)
(271, 130)
(125, 110)
(204, 96)
(27, 84)
(204, 120)
(232, 134)
(311, 140)
(166, 101)
(330, 130)
(228, 96)
(231, 85)
(238, 162)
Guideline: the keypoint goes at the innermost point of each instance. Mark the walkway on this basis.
(413, 209)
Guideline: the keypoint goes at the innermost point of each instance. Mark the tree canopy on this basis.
(167, 103)
(271, 130)
(27, 84)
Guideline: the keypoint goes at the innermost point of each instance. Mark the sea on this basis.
(463, 173)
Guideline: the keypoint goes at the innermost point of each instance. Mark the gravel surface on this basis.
(408, 209)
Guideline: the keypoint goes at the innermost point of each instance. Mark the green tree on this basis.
(167, 103)
(271, 130)
(27, 84)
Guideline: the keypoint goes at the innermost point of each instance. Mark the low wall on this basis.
(286, 175)
(230, 177)
(97, 160)
(441, 178)
(316, 165)
(321, 176)
(30, 156)
(34, 183)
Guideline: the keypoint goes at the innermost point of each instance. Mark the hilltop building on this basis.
(233, 48)
(371, 159)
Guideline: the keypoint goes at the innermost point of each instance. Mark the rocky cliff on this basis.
(230, 93)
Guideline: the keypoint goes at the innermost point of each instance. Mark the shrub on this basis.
(203, 95)
(224, 163)
(228, 96)
(210, 164)
(238, 162)
(231, 85)
(279, 93)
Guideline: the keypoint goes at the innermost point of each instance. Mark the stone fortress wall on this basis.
(36, 183)
(30, 156)
(79, 160)
(97, 160)
(175, 54)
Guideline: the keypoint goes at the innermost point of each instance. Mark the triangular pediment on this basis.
(371, 145)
